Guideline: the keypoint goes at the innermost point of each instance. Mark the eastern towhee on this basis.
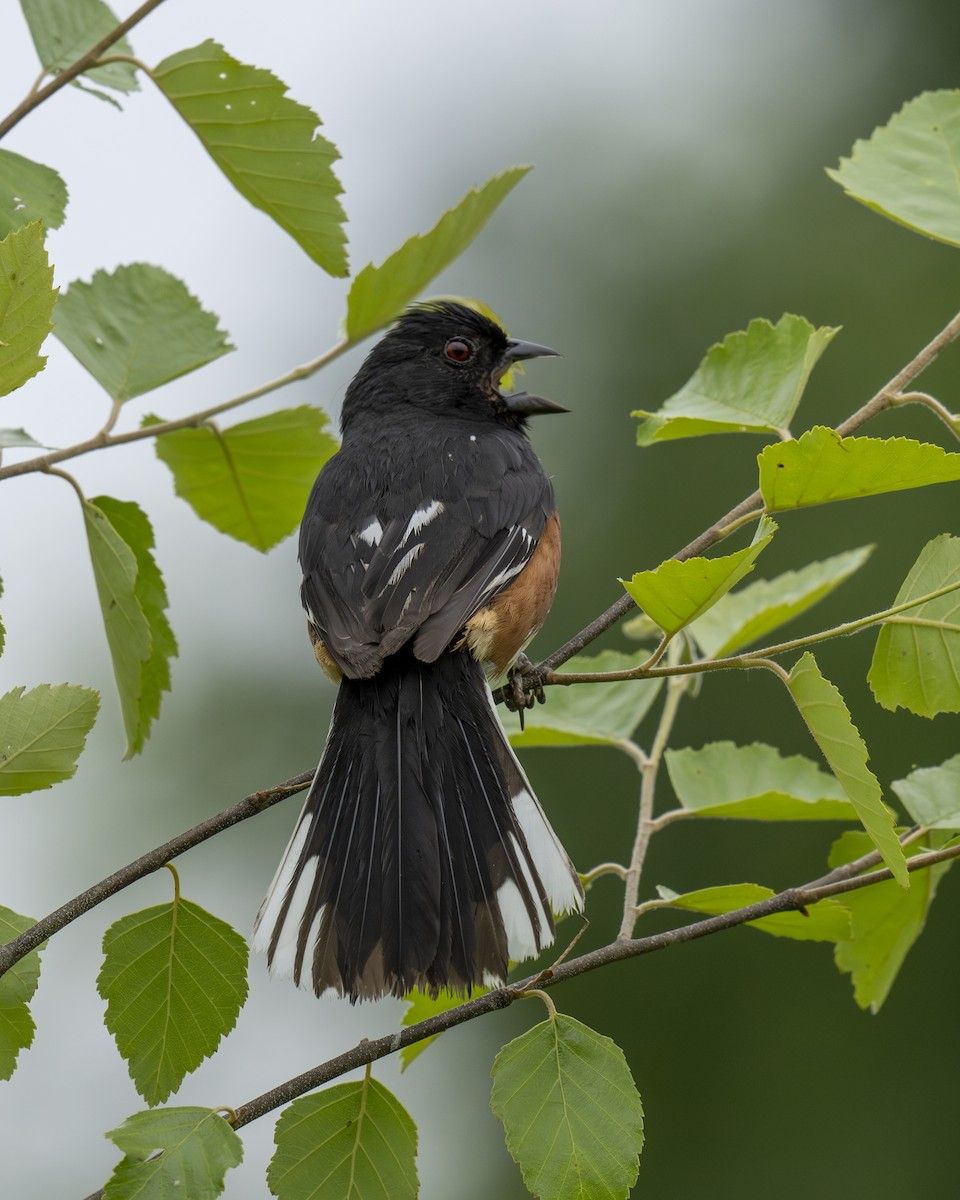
(430, 548)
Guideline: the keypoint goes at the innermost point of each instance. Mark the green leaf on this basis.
(420, 1006)
(754, 783)
(251, 480)
(17, 987)
(749, 614)
(198, 1146)
(174, 978)
(751, 382)
(886, 922)
(29, 191)
(133, 601)
(931, 795)
(354, 1141)
(265, 143)
(907, 169)
(828, 719)
(676, 593)
(825, 921)
(42, 735)
(18, 439)
(821, 467)
(64, 30)
(571, 1111)
(27, 297)
(137, 328)
(378, 294)
(916, 662)
(588, 713)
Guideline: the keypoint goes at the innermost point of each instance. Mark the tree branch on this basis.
(367, 1051)
(371, 1050)
(105, 439)
(153, 860)
(83, 63)
(752, 505)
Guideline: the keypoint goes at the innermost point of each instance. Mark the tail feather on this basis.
(422, 857)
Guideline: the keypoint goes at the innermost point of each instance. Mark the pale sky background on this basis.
(424, 99)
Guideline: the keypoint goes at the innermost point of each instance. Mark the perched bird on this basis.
(430, 549)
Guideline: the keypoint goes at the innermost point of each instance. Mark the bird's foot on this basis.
(520, 694)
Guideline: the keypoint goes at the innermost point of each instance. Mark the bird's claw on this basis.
(520, 695)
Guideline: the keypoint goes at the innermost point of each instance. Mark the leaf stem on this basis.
(37, 96)
(951, 420)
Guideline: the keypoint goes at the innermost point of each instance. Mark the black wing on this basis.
(404, 541)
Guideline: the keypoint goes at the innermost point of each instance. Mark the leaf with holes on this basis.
(29, 191)
(829, 721)
(252, 480)
(27, 297)
(265, 143)
(746, 615)
(676, 593)
(17, 987)
(821, 467)
(754, 783)
(916, 662)
(931, 795)
(826, 921)
(133, 600)
(137, 328)
(751, 382)
(42, 734)
(886, 921)
(353, 1141)
(64, 30)
(182, 1152)
(378, 294)
(570, 1110)
(589, 714)
(174, 978)
(907, 169)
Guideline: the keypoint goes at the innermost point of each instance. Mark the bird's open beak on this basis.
(523, 403)
(517, 351)
(526, 405)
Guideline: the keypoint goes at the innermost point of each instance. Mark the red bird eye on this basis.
(458, 351)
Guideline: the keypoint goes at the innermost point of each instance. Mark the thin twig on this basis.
(756, 658)
(105, 439)
(648, 787)
(153, 860)
(83, 63)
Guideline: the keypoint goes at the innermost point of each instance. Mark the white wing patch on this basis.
(404, 564)
(423, 516)
(372, 532)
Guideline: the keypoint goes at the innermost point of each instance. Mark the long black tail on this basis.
(421, 858)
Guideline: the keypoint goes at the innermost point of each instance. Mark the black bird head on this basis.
(444, 358)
